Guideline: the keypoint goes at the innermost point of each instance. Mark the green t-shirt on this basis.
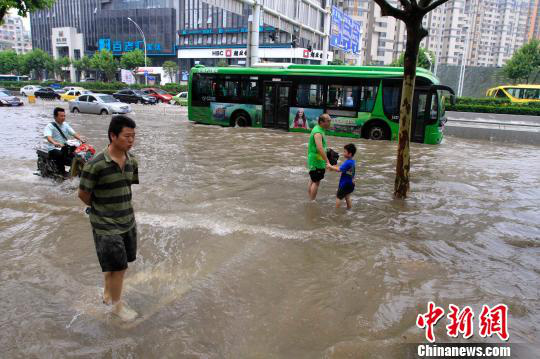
(315, 160)
(111, 212)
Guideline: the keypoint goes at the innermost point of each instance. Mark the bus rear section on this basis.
(362, 104)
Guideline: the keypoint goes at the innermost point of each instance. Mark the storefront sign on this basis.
(223, 30)
(241, 53)
(127, 46)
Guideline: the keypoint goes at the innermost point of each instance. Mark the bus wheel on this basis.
(377, 131)
(240, 119)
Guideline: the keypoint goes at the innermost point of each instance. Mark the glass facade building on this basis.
(80, 14)
(174, 25)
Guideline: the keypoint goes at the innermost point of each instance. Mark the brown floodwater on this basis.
(235, 262)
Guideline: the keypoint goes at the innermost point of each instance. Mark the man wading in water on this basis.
(106, 187)
(317, 160)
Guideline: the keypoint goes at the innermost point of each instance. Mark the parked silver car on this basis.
(98, 103)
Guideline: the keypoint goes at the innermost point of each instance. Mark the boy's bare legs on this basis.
(348, 200)
(338, 202)
(114, 281)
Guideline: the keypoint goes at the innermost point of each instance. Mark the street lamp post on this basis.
(144, 43)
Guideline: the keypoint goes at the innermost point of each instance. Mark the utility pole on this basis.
(326, 39)
(252, 56)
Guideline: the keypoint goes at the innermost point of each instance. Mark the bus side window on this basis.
(309, 95)
(391, 101)
(368, 95)
(250, 89)
(203, 88)
(343, 96)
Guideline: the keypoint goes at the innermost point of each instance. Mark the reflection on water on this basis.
(234, 262)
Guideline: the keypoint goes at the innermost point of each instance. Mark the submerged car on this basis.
(74, 94)
(8, 100)
(47, 92)
(98, 103)
(134, 96)
(180, 99)
(159, 94)
(29, 90)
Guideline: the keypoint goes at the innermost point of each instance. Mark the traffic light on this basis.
(294, 41)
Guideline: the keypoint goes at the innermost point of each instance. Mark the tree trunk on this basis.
(401, 185)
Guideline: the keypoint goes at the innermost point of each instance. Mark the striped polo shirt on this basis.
(111, 212)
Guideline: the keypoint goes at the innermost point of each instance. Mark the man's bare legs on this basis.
(114, 282)
(313, 188)
(106, 291)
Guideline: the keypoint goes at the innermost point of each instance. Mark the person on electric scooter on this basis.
(57, 134)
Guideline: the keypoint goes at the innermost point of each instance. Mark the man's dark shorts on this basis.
(345, 190)
(317, 175)
(116, 250)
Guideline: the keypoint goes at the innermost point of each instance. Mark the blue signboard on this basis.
(118, 46)
(223, 30)
(345, 32)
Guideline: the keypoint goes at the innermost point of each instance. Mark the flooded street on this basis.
(235, 262)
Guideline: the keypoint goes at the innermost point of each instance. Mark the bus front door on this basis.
(419, 114)
(276, 105)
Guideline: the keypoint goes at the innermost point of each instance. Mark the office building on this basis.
(186, 31)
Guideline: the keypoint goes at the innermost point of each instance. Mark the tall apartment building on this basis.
(534, 21)
(382, 37)
(483, 32)
(13, 35)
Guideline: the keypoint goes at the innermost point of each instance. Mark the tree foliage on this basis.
(59, 65)
(9, 62)
(524, 65)
(131, 60)
(36, 62)
(104, 62)
(336, 62)
(222, 63)
(23, 7)
(426, 59)
(170, 68)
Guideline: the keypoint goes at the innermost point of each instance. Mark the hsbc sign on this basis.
(229, 53)
(264, 53)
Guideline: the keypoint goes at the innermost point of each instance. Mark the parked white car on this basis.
(98, 103)
(73, 88)
(29, 90)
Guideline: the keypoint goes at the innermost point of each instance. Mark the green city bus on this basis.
(363, 101)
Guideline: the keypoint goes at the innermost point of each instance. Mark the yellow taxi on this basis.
(73, 94)
(516, 93)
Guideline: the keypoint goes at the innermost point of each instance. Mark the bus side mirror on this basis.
(453, 99)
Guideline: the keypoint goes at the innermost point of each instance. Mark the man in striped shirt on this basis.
(106, 187)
